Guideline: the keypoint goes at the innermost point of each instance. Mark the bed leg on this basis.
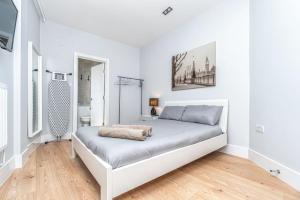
(105, 193)
(106, 186)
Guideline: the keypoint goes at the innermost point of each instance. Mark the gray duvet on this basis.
(167, 135)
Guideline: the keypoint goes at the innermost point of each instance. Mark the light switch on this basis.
(260, 128)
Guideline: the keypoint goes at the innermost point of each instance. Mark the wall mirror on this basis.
(34, 91)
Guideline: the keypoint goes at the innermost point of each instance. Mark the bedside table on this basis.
(148, 117)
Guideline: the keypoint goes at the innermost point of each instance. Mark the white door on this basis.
(97, 95)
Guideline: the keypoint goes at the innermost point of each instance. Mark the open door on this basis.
(97, 95)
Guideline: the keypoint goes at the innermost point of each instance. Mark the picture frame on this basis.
(195, 68)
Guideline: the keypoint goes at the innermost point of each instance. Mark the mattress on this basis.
(167, 135)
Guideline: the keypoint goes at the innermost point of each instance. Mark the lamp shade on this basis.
(153, 102)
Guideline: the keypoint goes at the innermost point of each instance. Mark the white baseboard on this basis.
(30, 148)
(17, 161)
(7, 169)
(23, 157)
(236, 150)
(287, 175)
(49, 138)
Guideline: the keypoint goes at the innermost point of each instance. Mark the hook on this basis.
(48, 71)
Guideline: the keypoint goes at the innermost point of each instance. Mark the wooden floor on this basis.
(50, 174)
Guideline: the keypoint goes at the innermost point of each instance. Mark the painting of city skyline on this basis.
(195, 68)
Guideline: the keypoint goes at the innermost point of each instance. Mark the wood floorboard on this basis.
(50, 174)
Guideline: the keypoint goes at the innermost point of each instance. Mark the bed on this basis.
(119, 165)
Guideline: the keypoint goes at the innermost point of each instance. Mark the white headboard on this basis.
(209, 102)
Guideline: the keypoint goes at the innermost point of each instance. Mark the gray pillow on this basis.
(172, 112)
(202, 114)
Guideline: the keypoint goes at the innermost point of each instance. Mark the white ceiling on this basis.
(134, 22)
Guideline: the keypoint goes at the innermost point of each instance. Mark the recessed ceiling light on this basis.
(167, 11)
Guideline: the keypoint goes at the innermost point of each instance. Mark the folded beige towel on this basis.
(146, 129)
(124, 133)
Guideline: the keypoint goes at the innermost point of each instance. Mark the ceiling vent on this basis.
(167, 11)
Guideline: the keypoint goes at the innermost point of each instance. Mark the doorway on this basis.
(90, 91)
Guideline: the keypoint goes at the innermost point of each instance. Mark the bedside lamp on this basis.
(153, 102)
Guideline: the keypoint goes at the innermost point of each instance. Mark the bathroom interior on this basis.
(90, 93)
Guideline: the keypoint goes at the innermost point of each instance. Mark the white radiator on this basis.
(3, 116)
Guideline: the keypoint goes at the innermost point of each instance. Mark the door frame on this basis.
(78, 55)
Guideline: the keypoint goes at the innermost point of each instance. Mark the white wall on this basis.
(228, 25)
(30, 32)
(6, 77)
(58, 45)
(7, 70)
(274, 79)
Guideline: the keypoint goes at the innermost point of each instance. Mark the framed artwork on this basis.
(195, 68)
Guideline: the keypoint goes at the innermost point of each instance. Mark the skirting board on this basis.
(236, 150)
(29, 150)
(290, 176)
(7, 169)
(17, 161)
(23, 157)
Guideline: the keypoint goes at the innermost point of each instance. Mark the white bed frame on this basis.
(115, 182)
